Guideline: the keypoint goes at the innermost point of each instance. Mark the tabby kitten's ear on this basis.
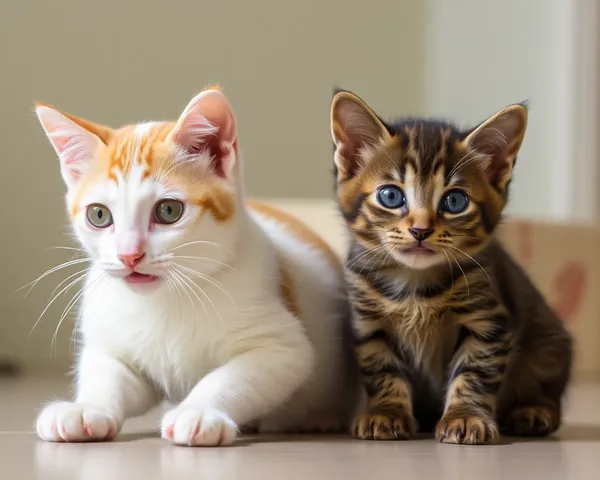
(74, 139)
(354, 128)
(207, 125)
(500, 137)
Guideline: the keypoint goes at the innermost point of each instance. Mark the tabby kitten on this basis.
(448, 329)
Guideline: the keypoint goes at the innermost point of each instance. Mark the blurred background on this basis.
(118, 61)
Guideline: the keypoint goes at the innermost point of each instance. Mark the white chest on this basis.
(171, 338)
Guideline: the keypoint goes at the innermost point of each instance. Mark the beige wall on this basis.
(120, 61)
(485, 55)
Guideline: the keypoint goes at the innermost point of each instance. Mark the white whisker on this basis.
(54, 299)
(201, 291)
(370, 260)
(62, 318)
(208, 279)
(185, 290)
(172, 289)
(478, 264)
(205, 259)
(66, 248)
(451, 271)
(87, 291)
(190, 284)
(469, 157)
(385, 255)
(464, 275)
(361, 255)
(85, 270)
(200, 242)
(52, 270)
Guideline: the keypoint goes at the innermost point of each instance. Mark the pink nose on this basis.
(132, 259)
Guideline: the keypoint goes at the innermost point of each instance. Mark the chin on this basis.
(419, 261)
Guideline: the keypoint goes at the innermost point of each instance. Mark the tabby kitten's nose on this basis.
(420, 234)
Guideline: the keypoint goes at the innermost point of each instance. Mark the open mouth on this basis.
(136, 277)
(420, 249)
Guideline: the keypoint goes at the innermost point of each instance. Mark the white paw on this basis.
(198, 427)
(72, 422)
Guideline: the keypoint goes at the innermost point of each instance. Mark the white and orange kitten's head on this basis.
(141, 195)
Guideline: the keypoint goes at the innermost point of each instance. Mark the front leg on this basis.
(107, 392)
(265, 369)
(477, 372)
(385, 375)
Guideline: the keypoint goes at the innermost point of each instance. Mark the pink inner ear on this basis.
(62, 144)
(74, 145)
(72, 150)
(208, 125)
(194, 132)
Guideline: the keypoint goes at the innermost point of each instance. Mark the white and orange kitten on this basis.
(231, 310)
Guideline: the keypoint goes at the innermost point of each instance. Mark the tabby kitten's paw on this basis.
(464, 428)
(73, 422)
(532, 421)
(384, 426)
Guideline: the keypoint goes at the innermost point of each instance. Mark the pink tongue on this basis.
(139, 278)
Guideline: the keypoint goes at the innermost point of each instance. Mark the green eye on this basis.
(168, 211)
(99, 216)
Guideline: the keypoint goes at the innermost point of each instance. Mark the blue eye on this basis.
(455, 201)
(391, 197)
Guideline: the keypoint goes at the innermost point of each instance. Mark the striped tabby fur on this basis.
(450, 334)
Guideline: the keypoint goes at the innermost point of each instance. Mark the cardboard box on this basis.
(562, 259)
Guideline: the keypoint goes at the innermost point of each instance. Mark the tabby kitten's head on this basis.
(422, 190)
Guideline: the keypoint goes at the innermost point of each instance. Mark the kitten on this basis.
(447, 328)
(233, 311)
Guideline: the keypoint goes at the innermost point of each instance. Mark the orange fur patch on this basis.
(126, 147)
(130, 145)
(217, 201)
(299, 229)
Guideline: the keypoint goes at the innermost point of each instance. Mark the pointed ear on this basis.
(207, 125)
(74, 140)
(500, 137)
(355, 128)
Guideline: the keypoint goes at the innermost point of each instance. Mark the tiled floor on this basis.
(138, 454)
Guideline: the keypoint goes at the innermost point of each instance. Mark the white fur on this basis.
(212, 337)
